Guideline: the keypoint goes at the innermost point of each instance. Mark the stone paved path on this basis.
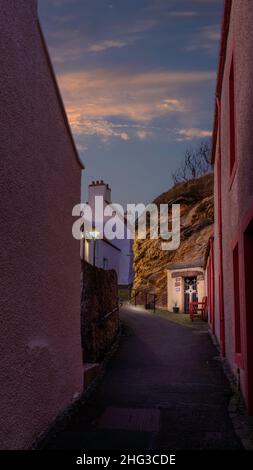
(164, 389)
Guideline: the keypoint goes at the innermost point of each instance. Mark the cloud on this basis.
(65, 19)
(59, 3)
(207, 38)
(140, 25)
(171, 105)
(124, 136)
(70, 46)
(182, 14)
(139, 97)
(143, 135)
(191, 134)
(69, 53)
(81, 147)
(65, 46)
(212, 33)
(127, 104)
(206, 1)
(99, 127)
(108, 44)
(107, 129)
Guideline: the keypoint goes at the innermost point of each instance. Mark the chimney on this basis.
(108, 193)
(99, 188)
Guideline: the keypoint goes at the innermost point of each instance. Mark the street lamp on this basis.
(94, 235)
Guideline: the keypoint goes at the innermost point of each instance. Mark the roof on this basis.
(187, 273)
(221, 67)
(105, 240)
(186, 265)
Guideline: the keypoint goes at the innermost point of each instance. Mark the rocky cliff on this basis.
(197, 213)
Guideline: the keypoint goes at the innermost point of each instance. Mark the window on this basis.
(237, 316)
(232, 117)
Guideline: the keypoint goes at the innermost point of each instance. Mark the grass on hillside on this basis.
(182, 319)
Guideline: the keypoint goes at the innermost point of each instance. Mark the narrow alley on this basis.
(126, 232)
(164, 388)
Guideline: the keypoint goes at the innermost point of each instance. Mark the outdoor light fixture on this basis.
(94, 235)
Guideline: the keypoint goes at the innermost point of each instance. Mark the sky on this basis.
(137, 79)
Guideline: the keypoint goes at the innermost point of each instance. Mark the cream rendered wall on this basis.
(201, 289)
(176, 293)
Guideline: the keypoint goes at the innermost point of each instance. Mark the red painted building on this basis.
(230, 261)
(41, 360)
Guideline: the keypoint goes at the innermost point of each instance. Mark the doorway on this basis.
(190, 292)
(248, 263)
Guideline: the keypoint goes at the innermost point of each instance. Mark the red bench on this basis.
(198, 309)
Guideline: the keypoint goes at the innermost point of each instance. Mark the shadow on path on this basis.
(164, 389)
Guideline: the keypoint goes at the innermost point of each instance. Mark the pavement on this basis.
(164, 389)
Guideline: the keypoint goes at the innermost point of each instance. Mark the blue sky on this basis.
(137, 78)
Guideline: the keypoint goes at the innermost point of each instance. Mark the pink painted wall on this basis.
(237, 195)
(41, 366)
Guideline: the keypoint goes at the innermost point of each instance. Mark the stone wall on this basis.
(99, 296)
